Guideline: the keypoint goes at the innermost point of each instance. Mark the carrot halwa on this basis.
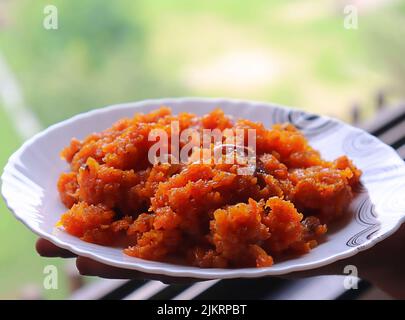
(204, 214)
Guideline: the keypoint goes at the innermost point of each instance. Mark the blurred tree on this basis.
(97, 56)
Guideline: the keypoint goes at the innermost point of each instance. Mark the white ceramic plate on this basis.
(30, 176)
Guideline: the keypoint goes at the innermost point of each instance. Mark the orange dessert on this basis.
(203, 214)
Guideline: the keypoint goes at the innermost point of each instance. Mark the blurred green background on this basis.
(295, 52)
